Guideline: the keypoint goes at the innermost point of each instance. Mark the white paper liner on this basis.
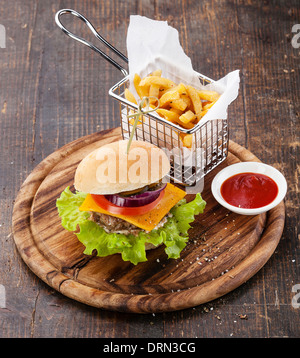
(153, 45)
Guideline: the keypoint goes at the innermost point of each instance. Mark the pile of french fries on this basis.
(178, 103)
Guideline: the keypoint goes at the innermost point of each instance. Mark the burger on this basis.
(124, 204)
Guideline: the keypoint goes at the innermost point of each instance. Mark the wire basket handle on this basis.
(89, 44)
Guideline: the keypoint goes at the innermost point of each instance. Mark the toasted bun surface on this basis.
(109, 170)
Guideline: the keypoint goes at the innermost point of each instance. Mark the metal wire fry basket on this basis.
(209, 140)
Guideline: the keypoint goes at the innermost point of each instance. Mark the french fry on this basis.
(173, 117)
(208, 105)
(188, 102)
(161, 81)
(162, 91)
(129, 96)
(131, 121)
(169, 115)
(153, 92)
(187, 140)
(176, 110)
(154, 89)
(142, 91)
(178, 104)
(156, 73)
(189, 125)
(136, 83)
(181, 89)
(187, 117)
(203, 113)
(194, 96)
(210, 96)
(168, 97)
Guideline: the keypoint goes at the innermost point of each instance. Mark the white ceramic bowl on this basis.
(253, 167)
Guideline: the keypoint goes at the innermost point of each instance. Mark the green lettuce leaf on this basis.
(173, 234)
(185, 212)
(68, 205)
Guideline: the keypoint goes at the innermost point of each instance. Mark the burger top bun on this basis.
(110, 170)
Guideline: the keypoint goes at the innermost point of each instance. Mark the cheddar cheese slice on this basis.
(146, 221)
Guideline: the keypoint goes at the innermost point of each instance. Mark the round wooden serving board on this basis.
(224, 251)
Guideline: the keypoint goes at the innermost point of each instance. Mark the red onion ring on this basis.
(135, 200)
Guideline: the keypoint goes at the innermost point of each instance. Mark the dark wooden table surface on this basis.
(54, 90)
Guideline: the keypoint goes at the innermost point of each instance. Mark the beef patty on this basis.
(113, 224)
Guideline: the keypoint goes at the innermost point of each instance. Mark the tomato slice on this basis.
(123, 210)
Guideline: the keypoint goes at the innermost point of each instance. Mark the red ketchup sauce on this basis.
(249, 190)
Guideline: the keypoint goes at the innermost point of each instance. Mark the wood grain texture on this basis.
(224, 250)
(54, 91)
